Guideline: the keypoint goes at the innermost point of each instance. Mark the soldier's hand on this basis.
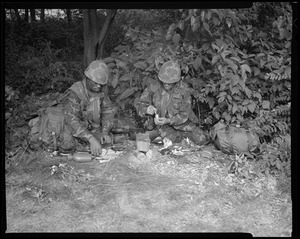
(151, 110)
(96, 147)
(105, 138)
(161, 121)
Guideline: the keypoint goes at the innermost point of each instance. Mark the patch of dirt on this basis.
(165, 194)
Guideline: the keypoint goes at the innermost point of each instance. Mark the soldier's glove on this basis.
(105, 138)
(161, 121)
(151, 110)
(96, 148)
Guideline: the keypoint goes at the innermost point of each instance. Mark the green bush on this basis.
(234, 68)
(42, 57)
(37, 69)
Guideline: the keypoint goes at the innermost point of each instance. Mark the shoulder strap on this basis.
(228, 137)
(249, 138)
(78, 88)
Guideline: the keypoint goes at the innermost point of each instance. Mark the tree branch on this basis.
(105, 29)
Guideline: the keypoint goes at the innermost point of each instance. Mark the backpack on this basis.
(234, 140)
(49, 130)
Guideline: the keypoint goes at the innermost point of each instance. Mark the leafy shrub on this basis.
(272, 123)
(234, 68)
(273, 159)
(11, 97)
(37, 69)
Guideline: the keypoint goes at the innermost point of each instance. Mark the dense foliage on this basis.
(235, 68)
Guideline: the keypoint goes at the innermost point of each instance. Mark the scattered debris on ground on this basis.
(188, 189)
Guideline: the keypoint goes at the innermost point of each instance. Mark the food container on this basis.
(82, 157)
(142, 142)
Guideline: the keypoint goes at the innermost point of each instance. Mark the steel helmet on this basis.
(169, 72)
(98, 72)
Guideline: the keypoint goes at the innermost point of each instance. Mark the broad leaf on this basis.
(234, 108)
(196, 24)
(216, 114)
(228, 22)
(197, 63)
(211, 103)
(176, 38)
(244, 75)
(206, 27)
(127, 93)
(118, 90)
(235, 80)
(216, 21)
(248, 92)
(235, 90)
(246, 67)
(114, 82)
(215, 59)
(214, 46)
(126, 77)
(202, 15)
(256, 71)
(193, 19)
(208, 15)
(261, 54)
(252, 107)
(262, 62)
(257, 95)
(227, 117)
(232, 65)
(236, 59)
(266, 104)
(181, 25)
(221, 99)
(170, 31)
(208, 72)
(288, 44)
(141, 65)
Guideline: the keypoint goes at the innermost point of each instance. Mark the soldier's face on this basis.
(168, 86)
(93, 86)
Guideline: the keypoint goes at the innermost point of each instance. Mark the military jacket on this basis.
(175, 104)
(83, 108)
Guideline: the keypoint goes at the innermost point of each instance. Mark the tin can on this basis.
(143, 142)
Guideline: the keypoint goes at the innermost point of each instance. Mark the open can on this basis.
(143, 142)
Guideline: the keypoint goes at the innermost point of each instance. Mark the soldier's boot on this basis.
(172, 134)
(153, 134)
(198, 136)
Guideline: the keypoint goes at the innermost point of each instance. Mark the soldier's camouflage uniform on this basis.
(87, 113)
(175, 105)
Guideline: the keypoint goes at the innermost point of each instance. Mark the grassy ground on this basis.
(167, 194)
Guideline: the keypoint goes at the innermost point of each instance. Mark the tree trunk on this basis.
(90, 35)
(17, 15)
(69, 17)
(32, 15)
(11, 14)
(26, 15)
(42, 15)
(104, 32)
(94, 39)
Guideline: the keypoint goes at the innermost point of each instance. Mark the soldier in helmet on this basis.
(88, 110)
(85, 112)
(168, 103)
